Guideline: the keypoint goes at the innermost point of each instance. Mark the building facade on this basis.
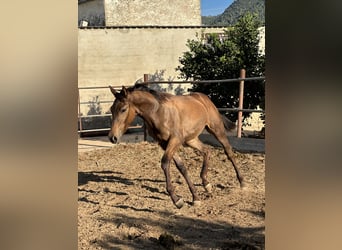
(139, 12)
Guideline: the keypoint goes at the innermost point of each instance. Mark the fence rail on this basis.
(240, 109)
(183, 82)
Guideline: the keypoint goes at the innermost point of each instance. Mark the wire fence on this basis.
(106, 116)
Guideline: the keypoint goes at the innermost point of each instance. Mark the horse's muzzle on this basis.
(113, 139)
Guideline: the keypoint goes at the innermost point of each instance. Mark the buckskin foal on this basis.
(173, 121)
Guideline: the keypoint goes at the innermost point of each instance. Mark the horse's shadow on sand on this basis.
(181, 232)
(102, 176)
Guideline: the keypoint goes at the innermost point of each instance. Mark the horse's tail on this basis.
(228, 124)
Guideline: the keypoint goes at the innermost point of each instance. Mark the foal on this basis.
(173, 121)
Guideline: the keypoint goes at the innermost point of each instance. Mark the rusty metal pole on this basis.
(242, 76)
(79, 112)
(145, 129)
(145, 77)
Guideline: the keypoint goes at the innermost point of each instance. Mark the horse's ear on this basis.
(112, 90)
(115, 93)
(124, 91)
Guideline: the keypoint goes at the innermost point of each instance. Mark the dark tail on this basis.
(228, 124)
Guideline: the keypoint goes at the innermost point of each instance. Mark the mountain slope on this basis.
(235, 10)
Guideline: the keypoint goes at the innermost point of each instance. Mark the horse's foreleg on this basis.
(170, 149)
(184, 172)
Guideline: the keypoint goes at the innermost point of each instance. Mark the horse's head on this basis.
(122, 114)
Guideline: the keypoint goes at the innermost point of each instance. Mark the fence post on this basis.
(242, 76)
(145, 129)
(79, 113)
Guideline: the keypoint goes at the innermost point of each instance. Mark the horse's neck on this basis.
(145, 104)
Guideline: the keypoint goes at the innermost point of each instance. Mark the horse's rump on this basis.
(211, 109)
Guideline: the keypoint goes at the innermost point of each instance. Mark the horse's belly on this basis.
(191, 132)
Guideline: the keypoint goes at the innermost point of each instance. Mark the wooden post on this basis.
(242, 76)
(145, 129)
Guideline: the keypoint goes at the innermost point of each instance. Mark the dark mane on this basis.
(160, 96)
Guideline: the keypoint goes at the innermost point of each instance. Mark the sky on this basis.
(214, 7)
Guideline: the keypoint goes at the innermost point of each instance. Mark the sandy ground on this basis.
(123, 202)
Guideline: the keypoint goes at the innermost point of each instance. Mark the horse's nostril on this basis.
(113, 139)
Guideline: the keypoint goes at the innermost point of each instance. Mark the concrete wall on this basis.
(152, 12)
(121, 56)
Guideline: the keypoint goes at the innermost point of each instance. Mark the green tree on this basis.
(212, 57)
(179, 90)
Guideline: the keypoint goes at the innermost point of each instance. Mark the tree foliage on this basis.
(211, 57)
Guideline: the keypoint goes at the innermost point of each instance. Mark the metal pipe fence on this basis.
(241, 79)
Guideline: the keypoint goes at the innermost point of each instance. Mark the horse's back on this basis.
(192, 102)
(197, 106)
(206, 102)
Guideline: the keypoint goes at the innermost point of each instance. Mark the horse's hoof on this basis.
(179, 203)
(209, 188)
(196, 203)
(243, 186)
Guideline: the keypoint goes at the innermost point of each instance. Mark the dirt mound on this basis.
(123, 202)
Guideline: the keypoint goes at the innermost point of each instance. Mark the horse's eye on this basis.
(123, 110)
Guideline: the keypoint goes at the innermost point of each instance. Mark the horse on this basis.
(173, 121)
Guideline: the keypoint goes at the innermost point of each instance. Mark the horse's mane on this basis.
(160, 96)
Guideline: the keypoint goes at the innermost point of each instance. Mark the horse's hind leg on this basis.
(197, 144)
(184, 172)
(219, 133)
